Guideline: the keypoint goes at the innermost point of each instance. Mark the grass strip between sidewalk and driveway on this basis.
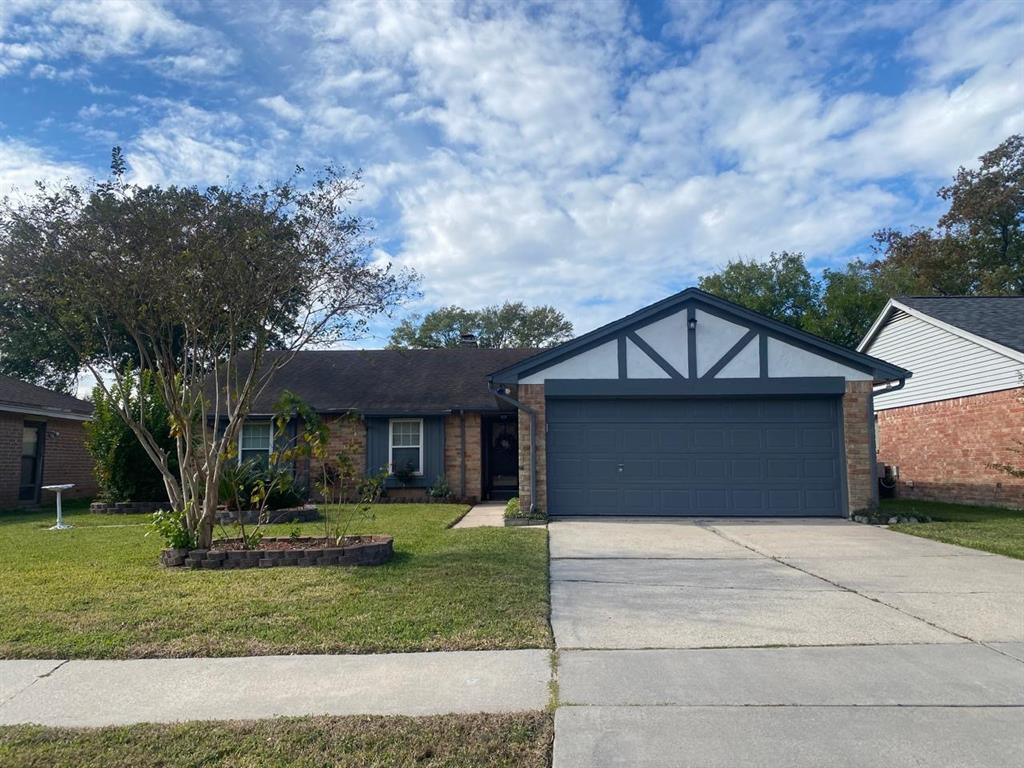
(521, 740)
(97, 591)
(990, 529)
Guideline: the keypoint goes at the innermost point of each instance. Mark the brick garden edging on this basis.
(126, 507)
(375, 552)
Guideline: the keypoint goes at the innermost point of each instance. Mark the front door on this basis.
(501, 456)
(32, 435)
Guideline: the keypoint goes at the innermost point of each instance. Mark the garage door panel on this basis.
(820, 469)
(817, 438)
(635, 439)
(675, 469)
(821, 497)
(708, 439)
(744, 438)
(780, 437)
(750, 499)
(747, 469)
(694, 457)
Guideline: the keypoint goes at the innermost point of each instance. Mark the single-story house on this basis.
(42, 442)
(691, 406)
(426, 409)
(964, 408)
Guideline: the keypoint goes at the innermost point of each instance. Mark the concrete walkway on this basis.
(802, 643)
(95, 693)
(487, 514)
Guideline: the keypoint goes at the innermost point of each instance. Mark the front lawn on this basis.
(990, 529)
(97, 592)
(453, 741)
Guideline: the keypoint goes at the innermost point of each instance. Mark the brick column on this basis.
(532, 395)
(454, 458)
(858, 428)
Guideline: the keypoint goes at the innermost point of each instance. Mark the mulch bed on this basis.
(297, 543)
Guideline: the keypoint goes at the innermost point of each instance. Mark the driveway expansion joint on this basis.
(843, 587)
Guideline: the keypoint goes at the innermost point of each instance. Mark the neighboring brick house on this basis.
(964, 408)
(42, 442)
(430, 410)
(691, 406)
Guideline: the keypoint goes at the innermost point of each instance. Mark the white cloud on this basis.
(576, 173)
(22, 164)
(281, 107)
(567, 152)
(190, 145)
(49, 31)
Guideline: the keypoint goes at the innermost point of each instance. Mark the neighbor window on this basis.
(254, 444)
(406, 446)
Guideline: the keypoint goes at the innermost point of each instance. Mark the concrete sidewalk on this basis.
(96, 693)
(487, 514)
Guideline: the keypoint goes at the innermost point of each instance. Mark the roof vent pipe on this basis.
(467, 339)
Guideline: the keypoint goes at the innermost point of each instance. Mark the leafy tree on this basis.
(781, 287)
(511, 324)
(201, 283)
(124, 472)
(849, 301)
(978, 246)
(441, 328)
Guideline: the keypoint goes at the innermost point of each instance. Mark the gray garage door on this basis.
(743, 457)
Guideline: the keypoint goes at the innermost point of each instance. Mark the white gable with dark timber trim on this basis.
(726, 348)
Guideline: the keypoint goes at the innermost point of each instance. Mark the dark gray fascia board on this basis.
(879, 369)
(782, 387)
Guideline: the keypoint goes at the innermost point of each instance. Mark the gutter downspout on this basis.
(889, 387)
(533, 440)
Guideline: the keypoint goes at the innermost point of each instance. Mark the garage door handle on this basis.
(621, 467)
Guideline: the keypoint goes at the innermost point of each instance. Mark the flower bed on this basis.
(304, 514)
(275, 552)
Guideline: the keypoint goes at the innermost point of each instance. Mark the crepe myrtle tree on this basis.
(196, 286)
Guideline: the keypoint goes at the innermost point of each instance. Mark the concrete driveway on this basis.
(782, 643)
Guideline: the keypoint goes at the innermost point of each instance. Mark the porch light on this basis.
(692, 323)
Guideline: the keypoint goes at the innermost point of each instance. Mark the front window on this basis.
(407, 446)
(254, 444)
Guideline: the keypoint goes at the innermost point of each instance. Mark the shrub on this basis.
(440, 491)
(512, 508)
(170, 526)
(124, 472)
(247, 485)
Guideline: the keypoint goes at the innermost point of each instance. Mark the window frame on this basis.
(270, 439)
(392, 446)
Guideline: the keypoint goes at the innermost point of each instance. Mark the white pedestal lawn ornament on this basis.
(58, 489)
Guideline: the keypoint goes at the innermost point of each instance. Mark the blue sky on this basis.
(594, 155)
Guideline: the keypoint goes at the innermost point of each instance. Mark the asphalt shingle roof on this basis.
(391, 381)
(21, 394)
(996, 318)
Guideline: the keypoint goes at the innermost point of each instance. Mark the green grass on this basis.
(98, 592)
(451, 741)
(990, 529)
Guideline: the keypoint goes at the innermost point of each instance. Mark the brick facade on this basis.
(65, 459)
(532, 395)
(943, 449)
(454, 460)
(348, 435)
(860, 466)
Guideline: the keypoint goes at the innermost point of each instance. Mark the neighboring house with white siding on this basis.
(964, 407)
